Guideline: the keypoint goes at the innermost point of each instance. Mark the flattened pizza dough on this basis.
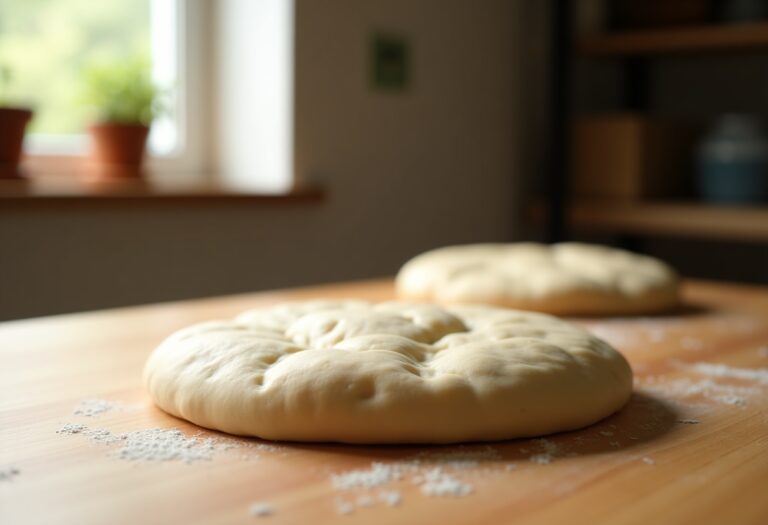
(356, 372)
(561, 279)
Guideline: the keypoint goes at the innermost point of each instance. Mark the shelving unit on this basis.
(676, 219)
(646, 219)
(679, 40)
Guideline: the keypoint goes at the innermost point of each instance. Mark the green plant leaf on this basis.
(122, 91)
(6, 75)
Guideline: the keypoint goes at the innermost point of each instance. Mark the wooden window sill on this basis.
(70, 189)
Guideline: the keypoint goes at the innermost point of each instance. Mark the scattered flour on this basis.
(344, 507)
(438, 483)
(154, 444)
(606, 433)
(379, 474)
(365, 501)
(436, 473)
(763, 351)
(729, 399)
(391, 497)
(97, 435)
(541, 459)
(157, 444)
(648, 461)
(7, 473)
(759, 375)
(261, 509)
(684, 388)
(418, 467)
(94, 407)
(550, 451)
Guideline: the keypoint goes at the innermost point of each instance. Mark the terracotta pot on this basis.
(118, 148)
(13, 122)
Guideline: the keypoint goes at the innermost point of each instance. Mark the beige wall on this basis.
(403, 173)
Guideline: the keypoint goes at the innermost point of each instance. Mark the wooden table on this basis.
(691, 447)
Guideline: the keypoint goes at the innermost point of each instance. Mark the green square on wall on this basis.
(389, 63)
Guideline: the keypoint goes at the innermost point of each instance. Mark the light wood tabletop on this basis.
(690, 447)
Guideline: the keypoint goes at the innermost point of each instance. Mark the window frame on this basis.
(188, 160)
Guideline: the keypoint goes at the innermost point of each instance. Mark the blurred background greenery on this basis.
(48, 44)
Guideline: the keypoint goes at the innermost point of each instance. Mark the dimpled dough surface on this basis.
(356, 372)
(561, 279)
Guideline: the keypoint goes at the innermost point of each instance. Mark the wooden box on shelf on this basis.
(630, 157)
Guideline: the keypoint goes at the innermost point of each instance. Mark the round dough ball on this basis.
(356, 372)
(561, 279)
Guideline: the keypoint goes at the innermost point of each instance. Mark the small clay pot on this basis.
(118, 149)
(13, 122)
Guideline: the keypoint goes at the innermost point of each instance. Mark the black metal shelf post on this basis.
(560, 113)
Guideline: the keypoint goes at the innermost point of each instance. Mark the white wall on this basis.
(439, 157)
(403, 173)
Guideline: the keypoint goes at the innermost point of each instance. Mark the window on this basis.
(47, 44)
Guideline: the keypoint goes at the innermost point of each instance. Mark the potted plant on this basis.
(126, 101)
(13, 122)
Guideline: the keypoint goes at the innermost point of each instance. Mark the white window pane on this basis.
(164, 32)
(48, 43)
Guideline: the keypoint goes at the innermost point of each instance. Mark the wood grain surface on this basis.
(691, 446)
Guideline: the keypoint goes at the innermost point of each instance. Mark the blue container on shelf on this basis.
(732, 163)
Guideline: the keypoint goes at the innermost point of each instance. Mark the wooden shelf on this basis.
(675, 219)
(678, 40)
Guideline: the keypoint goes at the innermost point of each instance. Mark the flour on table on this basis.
(550, 451)
(96, 435)
(157, 444)
(261, 509)
(7, 473)
(391, 497)
(437, 473)
(438, 483)
(379, 474)
(94, 407)
(759, 375)
(345, 507)
(687, 389)
(365, 501)
(648, 461)
(154, 444)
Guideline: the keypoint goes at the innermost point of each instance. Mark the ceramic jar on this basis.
(732, 163)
